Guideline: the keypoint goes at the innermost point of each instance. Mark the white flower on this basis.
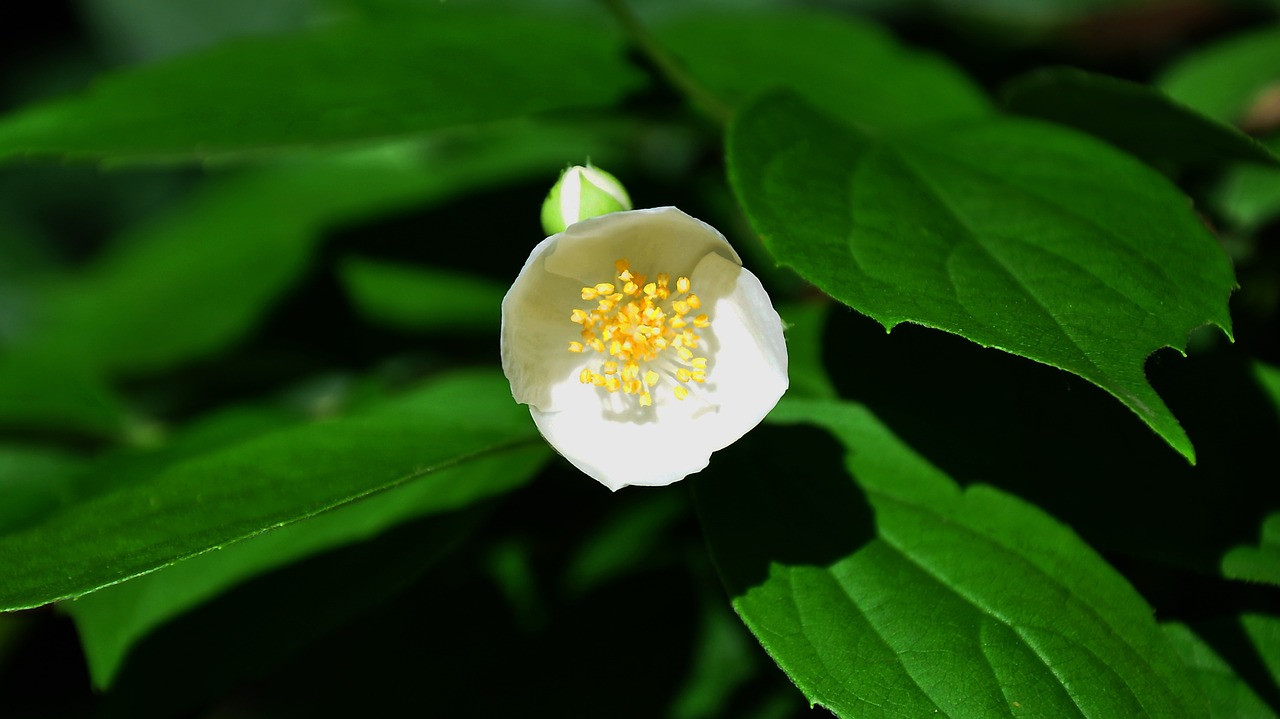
(641, 345)
(580, 193)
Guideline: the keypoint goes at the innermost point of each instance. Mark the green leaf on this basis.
(1014, 234)
(33, 482)
(198, 278)
(422, 298)
(354, 82)
(48, 391)
(1229, 696)
(235, 492)
(1223, 80)
(245, 633)
(112, 620)
(1249, 196)
(1134, 117)
(1264, 634)
(897, 594)
(1260, 563)
(850, 68)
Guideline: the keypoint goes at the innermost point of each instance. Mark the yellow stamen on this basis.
(633, 324)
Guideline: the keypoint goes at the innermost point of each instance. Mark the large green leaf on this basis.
(1229, 696)
(1134, 117)
(1223, 80)
(239, 490)
(850, 68)
(342, 84)
(113, 619)
(1014, 234)
(897, 594)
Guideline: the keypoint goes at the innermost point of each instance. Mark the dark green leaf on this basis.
(46, 391)
(804, 324)
(246, 632)
(199, 277)
(850, 68)
(1223, 80)
(238, 491)
(929, 600)
(32, 483)
(112, 620)
(1229, 696)
(1014, 234)
(422, 298)
(1136, 118)
(354, 82)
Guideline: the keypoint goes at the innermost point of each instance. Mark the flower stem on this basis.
(675, 74)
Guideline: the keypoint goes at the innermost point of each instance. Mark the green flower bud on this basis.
(581, 193)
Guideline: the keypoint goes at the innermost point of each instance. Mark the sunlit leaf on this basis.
(897, 594)
(352, 82)
(1014, 234)
(276, 478)
(1223, 80)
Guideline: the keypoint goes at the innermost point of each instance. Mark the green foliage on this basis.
(1138, 119)
(915, 596)
(257, 459)
(1091, 263)
(355, 82)
(181, 508)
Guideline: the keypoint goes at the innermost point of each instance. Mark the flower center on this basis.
(645, 331)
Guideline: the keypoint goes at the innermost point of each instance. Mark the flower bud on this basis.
(582, 193)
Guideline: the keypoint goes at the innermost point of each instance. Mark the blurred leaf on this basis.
(930, 599)
(1014, 234)
(1229, 696)
(198, 278)
(113, 619)
(1249, 196)
(50, 392)
(850, 68)
(1260, 563)
(623, 542)
(141, 30)
(248, 631)
(1264, 632)
(1134, 117)
(1222, 80)
(33, 482)
(422, 298)
(339, 85)
(804, 324)
(276, 478)
(723, 662)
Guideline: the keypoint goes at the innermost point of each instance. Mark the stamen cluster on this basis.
(645, 331)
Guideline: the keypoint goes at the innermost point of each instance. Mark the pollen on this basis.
(643, 330)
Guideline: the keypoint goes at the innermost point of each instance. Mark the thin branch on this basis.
(674, 73)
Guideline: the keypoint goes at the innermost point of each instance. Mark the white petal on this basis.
(661, 239)
(612, 439)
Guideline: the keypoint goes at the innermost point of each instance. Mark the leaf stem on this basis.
(675, 74)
